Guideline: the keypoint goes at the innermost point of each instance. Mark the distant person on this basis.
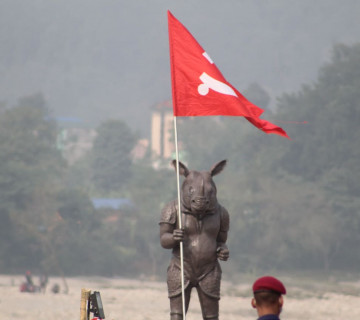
(28, 277)
(268, 298)
(28, 286)
(43, 282)
(55, 288)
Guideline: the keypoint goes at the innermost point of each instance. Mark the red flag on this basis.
(199, 88)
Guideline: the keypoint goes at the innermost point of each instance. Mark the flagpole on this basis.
(180, 221)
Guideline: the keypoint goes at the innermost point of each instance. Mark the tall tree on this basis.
(30, 169)
(258, 95)
(328, 151)
(112, 155)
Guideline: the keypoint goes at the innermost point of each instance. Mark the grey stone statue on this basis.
(205, 225)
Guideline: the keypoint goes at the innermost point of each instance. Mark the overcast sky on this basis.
(96, 60)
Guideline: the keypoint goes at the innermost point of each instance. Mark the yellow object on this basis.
(85, 294)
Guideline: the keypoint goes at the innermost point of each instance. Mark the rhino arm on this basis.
(224, 227)
(167, 225)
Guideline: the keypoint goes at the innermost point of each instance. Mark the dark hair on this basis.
(266, 297)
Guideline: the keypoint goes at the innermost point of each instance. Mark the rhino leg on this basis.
(209, 305)
(176, 307)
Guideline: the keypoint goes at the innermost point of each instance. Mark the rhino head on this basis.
(198, 189)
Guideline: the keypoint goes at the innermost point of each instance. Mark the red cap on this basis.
(269, 283)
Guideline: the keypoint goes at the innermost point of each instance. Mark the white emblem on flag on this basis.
(207, 57)
(216, 85)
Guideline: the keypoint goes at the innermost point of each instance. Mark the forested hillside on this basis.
(293, 204)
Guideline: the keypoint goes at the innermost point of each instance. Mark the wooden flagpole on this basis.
(85, 294)
(180, 221)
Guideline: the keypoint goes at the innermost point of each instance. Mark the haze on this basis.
(96, 60)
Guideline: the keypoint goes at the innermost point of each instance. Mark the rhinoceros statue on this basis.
(205, 226)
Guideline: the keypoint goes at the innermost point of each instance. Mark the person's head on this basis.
(268, 297)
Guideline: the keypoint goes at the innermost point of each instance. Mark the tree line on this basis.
(293, 204)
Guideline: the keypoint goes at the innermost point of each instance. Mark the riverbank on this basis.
(133, 299)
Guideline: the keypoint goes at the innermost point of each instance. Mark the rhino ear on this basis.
(218, 167)
(183, 170)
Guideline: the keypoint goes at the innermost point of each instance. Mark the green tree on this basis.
(30, 167)
(111, 155)
(327, 150)
(150, 190)
(257, 95)
(331, 107)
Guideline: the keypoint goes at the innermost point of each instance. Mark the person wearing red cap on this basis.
(268, 297)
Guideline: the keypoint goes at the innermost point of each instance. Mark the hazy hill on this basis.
(97, 59)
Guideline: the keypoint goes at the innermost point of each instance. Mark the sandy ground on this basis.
(147, 300)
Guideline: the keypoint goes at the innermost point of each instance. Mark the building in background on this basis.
(75, 140)
(74, 143)
(140, 150)
(162, 126)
